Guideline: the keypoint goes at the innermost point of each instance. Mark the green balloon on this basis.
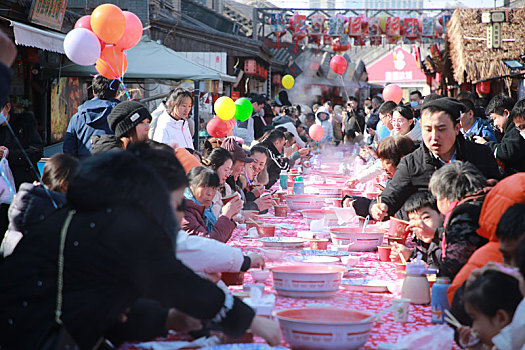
(243, 110)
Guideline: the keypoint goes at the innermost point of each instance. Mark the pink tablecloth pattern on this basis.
(384, 331)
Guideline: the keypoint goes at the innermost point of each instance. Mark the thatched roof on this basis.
(471, 59)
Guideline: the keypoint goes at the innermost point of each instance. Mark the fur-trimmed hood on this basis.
(120, 179)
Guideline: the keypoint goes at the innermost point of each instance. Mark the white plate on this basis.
(365, 285)
(323, 253)
(288, 242)
(317, 259)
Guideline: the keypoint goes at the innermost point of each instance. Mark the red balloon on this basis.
(218, 128)
(393, 92)
(338, 64)
(133, 32)
(316, 132)
(85, 22)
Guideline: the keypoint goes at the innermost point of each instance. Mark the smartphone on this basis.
(269, 194)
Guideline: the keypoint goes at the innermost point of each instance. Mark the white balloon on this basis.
(82, 46)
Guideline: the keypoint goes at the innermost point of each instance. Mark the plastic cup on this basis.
(281, 211)
(397, 228)
(319, 244)
(401, 309)
(383, 251)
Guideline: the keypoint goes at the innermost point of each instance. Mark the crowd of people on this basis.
(124, 237)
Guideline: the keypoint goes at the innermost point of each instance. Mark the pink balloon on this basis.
(338, 64)
(133, 32)
(85, 22)
(393, 92)
(316, 132)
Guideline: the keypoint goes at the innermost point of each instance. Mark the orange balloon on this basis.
(112, 63)
(108, 23)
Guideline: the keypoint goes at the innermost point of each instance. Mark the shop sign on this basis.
(48, 13)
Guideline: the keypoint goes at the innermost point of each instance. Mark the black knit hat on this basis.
(446, 104)
(125, 116)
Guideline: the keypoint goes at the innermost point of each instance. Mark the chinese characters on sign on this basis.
(48, 13)
(397, 76)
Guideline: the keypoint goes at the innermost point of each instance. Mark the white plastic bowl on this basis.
(307, 281)
(260, 276)
(304, 201)
(367, 241)
(273, 254)
(330, 218)
(324, 328)
(350, 260)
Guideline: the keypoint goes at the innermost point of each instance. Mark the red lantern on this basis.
(483, 88)
(276, 79)
(250, 67)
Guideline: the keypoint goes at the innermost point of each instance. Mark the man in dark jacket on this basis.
(510, 152)
(442, 143)
(277, 163)
(118, 247)
(353, 119)
(91, 118)
(24, 127)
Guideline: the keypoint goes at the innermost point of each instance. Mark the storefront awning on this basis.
(27, 35)
(149, 60)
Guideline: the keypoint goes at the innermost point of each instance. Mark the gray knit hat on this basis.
(125, 116)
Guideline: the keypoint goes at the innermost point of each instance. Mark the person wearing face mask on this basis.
(510, 152)
(416, 98)
(172, 125)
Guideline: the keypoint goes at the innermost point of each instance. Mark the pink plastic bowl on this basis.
(330, 218)
(367, 241)
(304, 201)
(324, 328)
(307, 281)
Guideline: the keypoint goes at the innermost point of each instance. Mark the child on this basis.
(426, 222)
(490, 301)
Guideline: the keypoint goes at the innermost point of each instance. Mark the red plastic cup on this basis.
(383, 251)
(319, 244)
(281, 210)
(398, 228)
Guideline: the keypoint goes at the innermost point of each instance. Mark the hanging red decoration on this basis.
(483, 88)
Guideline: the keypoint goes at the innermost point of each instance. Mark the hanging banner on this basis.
(336, 26)
(393, 26)
(354, 26)
(428, 27)
(317, 24)
(411, 28)
(277, 23)
(374, 26)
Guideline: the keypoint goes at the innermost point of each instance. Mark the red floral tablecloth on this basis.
(384, 331)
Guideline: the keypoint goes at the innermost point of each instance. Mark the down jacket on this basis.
(119, 248)
(510, 152)
(193, 223)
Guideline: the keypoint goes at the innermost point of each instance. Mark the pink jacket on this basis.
(193, 223)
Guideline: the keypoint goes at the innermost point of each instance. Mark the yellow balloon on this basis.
(288, 81)
(224, 108)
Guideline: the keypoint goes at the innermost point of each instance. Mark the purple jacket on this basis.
(193, 223)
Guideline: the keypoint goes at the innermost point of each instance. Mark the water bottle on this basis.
(298, 186)
(283, 180)
(439, 299)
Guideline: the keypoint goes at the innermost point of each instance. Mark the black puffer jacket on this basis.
(276, 163)
(119, 248)
(415, 170)
(510, 152)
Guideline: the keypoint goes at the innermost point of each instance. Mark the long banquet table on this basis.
(384, 331)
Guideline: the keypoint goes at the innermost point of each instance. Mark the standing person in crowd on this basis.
(510, 152)
(91, 118)
(165, 105)
(285, 121)
(252, 128)
(442, 143)
(276, 163)
(198, 216)
(472, 126)
(322, 117)
(300, 114)
(172, 127)
(416, 98)
(460, 190)
(373, 116)
(25, 131)
(129, 121)
(109, 264)
(337, 124)
(7, 57)
(353, 120)
(404, 123)
(385, 120)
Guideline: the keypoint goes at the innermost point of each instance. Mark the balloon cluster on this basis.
(227, 113)
(102, 38)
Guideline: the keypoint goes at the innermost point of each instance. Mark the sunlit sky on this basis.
(428, 4)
